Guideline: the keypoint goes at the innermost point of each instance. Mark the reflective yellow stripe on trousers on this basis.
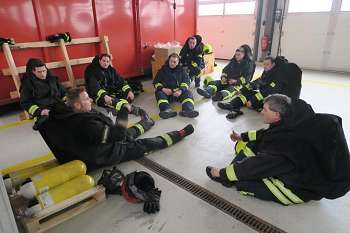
(167, 139)
(140, 128)
(276, 187)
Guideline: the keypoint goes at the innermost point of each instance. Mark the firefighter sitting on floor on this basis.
(39, 89)
(302, 156)
(172, 84)
(76, 132)
(192, 58)
(107, 88)
(252, 95)
(238, 72)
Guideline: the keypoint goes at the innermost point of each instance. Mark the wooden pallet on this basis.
(54, 215)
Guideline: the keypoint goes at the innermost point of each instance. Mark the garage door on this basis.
(316, 34)
(226, 24)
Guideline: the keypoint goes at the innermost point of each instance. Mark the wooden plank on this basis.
(69, 202)
(13, 70)
(52, 216)
(52, 65)
(12, 66)
(66, 62)
(46, 44)
(104, 40)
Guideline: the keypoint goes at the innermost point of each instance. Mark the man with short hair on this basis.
(192, 58)
(75, 131)
(302, 156)
(271, 82)
(39, 89)
(107, 88)
(172, 84)
(237, 73)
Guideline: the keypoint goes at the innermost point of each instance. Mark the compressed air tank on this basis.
(60, 193)
(51, 178)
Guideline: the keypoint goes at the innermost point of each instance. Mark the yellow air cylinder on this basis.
(65, 191)
(53, 177)
(15, 179)
(61, 193)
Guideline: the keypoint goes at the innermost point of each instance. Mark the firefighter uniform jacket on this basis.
(193, 57)
(90, 137)
(242, 72)
(37, 94)
(173, 79)
(270, 82)
(101, 82)
(306, 152)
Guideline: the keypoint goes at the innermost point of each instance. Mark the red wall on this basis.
(129, 24)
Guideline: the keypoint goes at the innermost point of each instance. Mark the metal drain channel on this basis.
(225, 206)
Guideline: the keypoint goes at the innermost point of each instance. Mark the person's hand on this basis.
(130, 96)
(235, 136)
(249, 104)
(177, 93)
(215, 172)
(223, 80)
(45, 112)
(167, 91)
(128, 107)
(232, 81)
(108, 100)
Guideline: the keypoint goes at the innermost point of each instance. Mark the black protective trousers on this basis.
(186, 99)
(135, 149)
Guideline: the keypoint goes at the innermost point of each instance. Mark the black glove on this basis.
(112, 180)
(152, 198)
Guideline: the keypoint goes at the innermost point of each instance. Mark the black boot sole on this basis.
(203, 93)
(166, 115)
(189, 114)
(225, 106)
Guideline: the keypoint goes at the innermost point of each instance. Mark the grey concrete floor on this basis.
(209, 145)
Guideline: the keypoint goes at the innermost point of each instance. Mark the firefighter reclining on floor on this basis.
(74, 131)
(301, 156)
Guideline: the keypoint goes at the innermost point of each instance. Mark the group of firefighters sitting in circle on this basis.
(301, 156)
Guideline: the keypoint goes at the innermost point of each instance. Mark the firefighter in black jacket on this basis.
(252, 95)
(106, 87)
(39, 89)
(236, 74)
(74, 131)
(302, 156)
(192, 58)
(172, 83)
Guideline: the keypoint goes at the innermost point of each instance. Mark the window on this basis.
(211, 9)
(240, 8)
(345, 5)
(309, 6)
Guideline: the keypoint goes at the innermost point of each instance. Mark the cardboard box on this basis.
(209, 60)
(156, 65)
(163, 53)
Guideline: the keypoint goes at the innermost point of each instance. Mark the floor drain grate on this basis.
(227, 207)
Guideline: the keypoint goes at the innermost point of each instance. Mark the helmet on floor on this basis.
(136, 185)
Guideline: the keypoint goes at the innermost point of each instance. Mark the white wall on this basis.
(318, 40)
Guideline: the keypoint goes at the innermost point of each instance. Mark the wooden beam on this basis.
(12, 65)
(13, 69)
(104, 40)
(46, 44)
(52, 65)
(66, 62)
